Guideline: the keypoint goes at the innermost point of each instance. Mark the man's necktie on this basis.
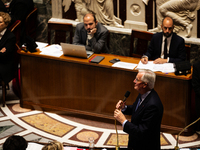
(165, 49)
(138, 104)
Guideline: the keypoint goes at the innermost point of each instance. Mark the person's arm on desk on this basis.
(160, 61)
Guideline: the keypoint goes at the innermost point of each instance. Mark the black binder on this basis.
(96, 59)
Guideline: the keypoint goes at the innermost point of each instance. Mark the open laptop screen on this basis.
(75, 50)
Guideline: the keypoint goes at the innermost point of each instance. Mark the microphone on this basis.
(126, 96)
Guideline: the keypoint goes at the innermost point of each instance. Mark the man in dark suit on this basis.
(196, 87)
(165, 46)
(19, 10)
(92, 34)
(7, 49)
(146, 111)
(2, 6)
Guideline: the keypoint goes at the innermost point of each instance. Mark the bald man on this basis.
(92, 34)
(174, 49)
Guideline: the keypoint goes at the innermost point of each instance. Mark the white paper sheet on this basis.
(70, 148)
(34, 146)
(124, 65)
(165, 68)
(41, 45)
(52, 50)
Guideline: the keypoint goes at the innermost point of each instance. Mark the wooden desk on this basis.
(75, 85)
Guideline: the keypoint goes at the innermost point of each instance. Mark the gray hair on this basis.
(149, 77)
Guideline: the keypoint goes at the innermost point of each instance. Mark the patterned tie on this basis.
(165, 49)
(138, 104)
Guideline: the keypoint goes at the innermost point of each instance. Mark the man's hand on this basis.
(3, 50)
(93, 31)
(119, 116)
(120, 105)
(144, 60)
(160, 61)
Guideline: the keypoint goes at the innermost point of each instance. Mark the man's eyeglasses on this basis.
(137, 80)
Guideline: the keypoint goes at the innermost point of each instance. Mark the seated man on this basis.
(165, 46)
(7, 49)
(92, 34)
(2, 6)
(19, 10)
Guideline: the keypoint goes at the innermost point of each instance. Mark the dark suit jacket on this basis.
(97, 44)
(176, 51)
(196, 86)
(2, 7)
(144, 128)
(7, 59)
(19, 9)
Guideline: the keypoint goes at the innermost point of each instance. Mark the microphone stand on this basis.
(117, 146)
(124, 99)
(176, 147)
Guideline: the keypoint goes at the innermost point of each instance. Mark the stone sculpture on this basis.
(103, 10)
(181, 11)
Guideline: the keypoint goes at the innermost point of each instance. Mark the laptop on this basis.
(75, 50)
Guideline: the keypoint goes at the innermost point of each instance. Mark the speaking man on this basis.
(146, 111)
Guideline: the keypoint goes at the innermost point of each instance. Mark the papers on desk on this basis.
(41, 45)
(52, 50)
(36, 146)
(165, 68)
(124, 65)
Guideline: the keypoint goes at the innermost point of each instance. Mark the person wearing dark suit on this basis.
(175, 45)
(7, 49)
(2, 6)
(146, 111)
(92, 34)
(19, 10)
(196, 86)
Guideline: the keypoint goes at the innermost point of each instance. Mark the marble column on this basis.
(135, 15)
(57, 9)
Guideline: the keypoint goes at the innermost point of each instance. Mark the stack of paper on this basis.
(166, 67)
(36, 146)
(125, 65)
(41, 45)
(52, 50)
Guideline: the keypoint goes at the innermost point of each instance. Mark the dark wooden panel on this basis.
(75, 85)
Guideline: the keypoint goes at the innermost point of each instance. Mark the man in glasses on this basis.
(146, 111)
(165, 46)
